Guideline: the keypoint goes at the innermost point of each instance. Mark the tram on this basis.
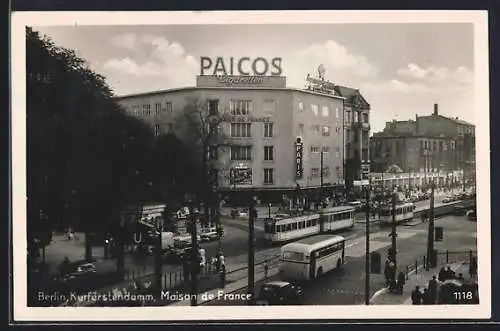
(404, 212)
(296, 225)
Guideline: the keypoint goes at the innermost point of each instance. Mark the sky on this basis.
(400, 69)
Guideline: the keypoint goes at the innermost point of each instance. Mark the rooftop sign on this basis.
(241, 81)
(320, 84)
(244, 66)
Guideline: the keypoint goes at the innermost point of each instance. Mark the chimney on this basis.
(435, 109)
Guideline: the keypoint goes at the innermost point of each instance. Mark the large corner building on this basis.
(282, 138)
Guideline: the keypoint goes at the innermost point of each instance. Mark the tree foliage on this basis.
(85, 157)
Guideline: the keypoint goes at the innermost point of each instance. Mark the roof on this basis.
(336, 209)
(350, 94)
(195, 88)
(313, 242)
(456, 119)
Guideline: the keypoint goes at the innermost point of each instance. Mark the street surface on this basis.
(346, 286)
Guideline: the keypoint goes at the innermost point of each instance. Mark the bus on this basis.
(336, 218)
(404, 213)
(286, 227)
(309, 258)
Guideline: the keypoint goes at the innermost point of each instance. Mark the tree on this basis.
(85, 156)
(201, 125)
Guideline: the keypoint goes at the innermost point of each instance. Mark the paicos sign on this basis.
(244, 66)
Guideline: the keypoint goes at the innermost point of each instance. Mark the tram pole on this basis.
(430, 235)
(393, 232)
(252, 213)
(367, 245)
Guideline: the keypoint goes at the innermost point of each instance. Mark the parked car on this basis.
(208, 234)
(472, 215)
(279, 293)
(239, 213)
(448, 199)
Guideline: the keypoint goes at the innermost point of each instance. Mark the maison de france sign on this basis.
(241, 72)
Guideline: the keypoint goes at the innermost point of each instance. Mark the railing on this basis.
(443, 258)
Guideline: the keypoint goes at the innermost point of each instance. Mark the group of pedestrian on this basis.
(393, 283)
(428, 296)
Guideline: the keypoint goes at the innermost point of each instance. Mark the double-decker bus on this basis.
(404, 212)
(312, 257)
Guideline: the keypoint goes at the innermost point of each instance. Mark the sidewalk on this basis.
(233, 284)
(383, 297)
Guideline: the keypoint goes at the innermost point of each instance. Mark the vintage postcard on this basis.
(285, 165)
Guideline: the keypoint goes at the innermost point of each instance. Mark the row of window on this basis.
(245, 107)
(356, 117)
(158, 130)
(145, 109)
(325, 110)
(244, 130)
(296, 226)
(316, 130)
(339, 217)
(244, 153)
(328, 250)
(399, 211)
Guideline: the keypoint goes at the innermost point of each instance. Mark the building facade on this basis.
(356, 135)
(278, 137)
(428, 144)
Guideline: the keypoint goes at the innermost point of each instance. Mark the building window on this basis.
(212, 153)
(241, 153)
(240, 107)
(268, 176)
(355, 117)
(241, 130)
(168, 107)
(326, 151)
(315, 172)
(325, 131)
(157, 130)
(146, 109)
(365, 118)
(434, 146)
(213, 107)
(315, 129)
(301, 106)
(348, 116)
(157, 109)
(268, 107)
(337, 154)
(314, 109)
(268, 153)
(325, 111)
(314, 149)
(301, 128)
(337, 113)
(326, 171)
(268, 130)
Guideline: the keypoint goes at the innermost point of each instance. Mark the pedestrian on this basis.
(432, 286)
(473, 268)
(387, 271)
(442, 274)
(450, 274)
(416, 296)
(426, 297)
(461, 277)
(401, 282)
(266, 269)
(222, 277)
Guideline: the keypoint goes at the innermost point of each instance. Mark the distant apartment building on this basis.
(274, 133)
(433, 143)
(356, 135)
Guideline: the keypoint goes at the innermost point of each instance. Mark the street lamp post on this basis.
(393, 233)
(430, 234)
(195, 263)
(252, 212)
(269, 210)
(367, 246)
